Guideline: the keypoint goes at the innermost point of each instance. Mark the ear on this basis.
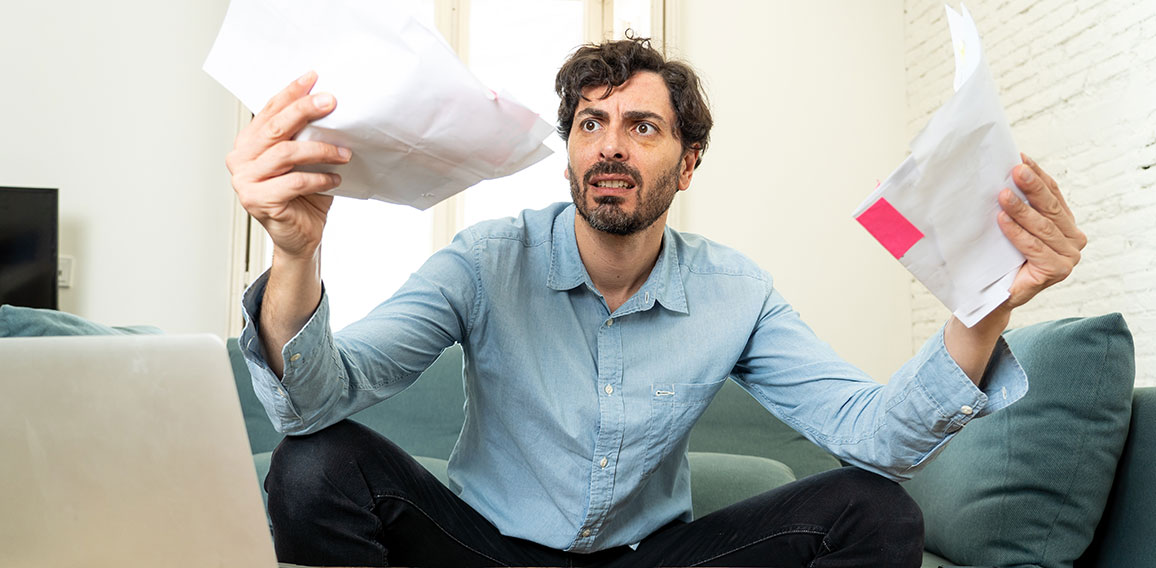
(566, 172)
(686, 169)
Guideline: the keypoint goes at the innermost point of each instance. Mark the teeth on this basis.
(613, 184)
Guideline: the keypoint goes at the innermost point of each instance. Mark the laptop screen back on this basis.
(125, 451)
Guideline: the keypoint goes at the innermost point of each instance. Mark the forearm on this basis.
(971, 348)
(291, 296)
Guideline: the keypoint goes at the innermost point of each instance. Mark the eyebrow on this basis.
(637, 115)
(631, 115)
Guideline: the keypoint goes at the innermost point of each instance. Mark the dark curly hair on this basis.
(611, 63)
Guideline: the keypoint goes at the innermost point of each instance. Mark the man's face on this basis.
(631, 161)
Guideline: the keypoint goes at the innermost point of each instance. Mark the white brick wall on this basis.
(1078, 83)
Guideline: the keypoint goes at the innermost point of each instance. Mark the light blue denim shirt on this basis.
(577, 419)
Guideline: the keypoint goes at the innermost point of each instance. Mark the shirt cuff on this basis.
(308, 354)
(955, 396)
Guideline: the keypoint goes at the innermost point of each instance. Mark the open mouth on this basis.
(612, 178)
(613, 184)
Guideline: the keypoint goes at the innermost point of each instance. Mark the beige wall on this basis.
(808, 100)
(107, 101)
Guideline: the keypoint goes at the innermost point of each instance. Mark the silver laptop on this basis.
(123, 452)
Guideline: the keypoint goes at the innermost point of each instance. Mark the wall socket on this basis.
(64, 271)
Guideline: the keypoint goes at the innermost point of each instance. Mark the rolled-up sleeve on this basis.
(330, 376)
(893, 428)
(311, 372)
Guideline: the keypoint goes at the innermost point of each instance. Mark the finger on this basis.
(1043, 267)
(293, 91)
(255, 139)
(1041, 227)
(296, 184)
(1051, 183)
(284, 156)
(1044, 199)
(1046, 265)
(291, 119)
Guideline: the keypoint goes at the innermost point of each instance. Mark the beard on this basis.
(607, 214)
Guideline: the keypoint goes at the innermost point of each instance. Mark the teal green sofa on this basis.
(1064, 477)
(1072, 484)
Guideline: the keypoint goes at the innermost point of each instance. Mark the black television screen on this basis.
(28, 246)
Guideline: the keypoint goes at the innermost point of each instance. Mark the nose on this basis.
(613, 146)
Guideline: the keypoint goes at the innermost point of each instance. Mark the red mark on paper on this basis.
(889, 227)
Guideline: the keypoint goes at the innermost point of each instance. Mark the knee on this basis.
(298, 457)
(880, 498)
(882, 511)
(871, 515)
(308, 471)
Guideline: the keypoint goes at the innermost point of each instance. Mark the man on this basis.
(594, 337)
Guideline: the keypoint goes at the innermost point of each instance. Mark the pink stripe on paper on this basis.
(889, 227)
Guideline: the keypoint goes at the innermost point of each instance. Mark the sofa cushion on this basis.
(719, 480)
(1027, 485)
(34, 322)
(735, 410)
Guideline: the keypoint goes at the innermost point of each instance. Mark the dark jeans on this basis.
(347, 496)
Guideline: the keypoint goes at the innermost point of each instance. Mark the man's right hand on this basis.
(288, 204)
(264, 161)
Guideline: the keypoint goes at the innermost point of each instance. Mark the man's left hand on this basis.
(1043, 229)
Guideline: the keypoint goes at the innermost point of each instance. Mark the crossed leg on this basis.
(348, 496)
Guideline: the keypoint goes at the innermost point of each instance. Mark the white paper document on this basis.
(420, 125)
(937, 211)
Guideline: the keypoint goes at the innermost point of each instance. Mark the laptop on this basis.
(125, 451)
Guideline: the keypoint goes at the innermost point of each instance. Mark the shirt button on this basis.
(586, 533)
(609, 322)
(295, 357)
(609, 389)
(603, 462)
(966, 409)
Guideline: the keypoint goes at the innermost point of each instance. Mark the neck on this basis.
(618, 265)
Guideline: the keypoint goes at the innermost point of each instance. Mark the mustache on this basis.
(617, 168)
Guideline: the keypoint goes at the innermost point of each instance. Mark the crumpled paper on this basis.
(421, 127)
(937, 211)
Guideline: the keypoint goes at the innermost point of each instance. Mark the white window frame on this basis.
(248, 251)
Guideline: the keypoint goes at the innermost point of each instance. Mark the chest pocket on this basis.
(674, 408)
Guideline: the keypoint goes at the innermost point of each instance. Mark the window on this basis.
(518, 45)
(370, 248)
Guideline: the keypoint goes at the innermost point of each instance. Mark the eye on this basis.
(590, 125)
(645, 128)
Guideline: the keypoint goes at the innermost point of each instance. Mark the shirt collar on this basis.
(567, 272)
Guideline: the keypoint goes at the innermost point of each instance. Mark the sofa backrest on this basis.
(427, 417)
(424, 419)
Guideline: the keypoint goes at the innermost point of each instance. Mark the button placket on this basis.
(611, 423)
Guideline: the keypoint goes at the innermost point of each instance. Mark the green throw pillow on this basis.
(16, 321)
(1026, 486)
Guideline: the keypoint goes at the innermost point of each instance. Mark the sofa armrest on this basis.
(1124, 535)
